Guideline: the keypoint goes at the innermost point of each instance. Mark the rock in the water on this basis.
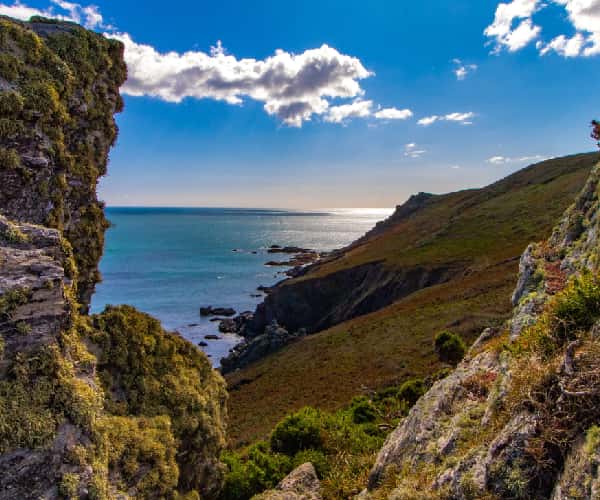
(227, 326)
(212, 337)
(217, 311)
(301, 484)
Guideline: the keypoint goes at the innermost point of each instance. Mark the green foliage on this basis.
(11, 103)
(296, 432)
(363, 410)
(141, 451)
(67, 488)
(411, 390)
(319, 460)
(572, 311)
(11, 300)
(449, 347)
(9, 159)
(256, 470)
(148, 372)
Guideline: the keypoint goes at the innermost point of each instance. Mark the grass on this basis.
(483, 231)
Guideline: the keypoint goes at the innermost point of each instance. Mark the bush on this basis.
(362, 410)
(315, 457)
(577, 307)
(253, 472)
(296, 432)
(411, 390)
(449, 347)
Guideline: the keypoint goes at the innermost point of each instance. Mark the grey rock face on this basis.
(301, 484)
(452, 444)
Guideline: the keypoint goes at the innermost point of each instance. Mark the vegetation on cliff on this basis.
(106, 407)
(59, 90)
(481, 233)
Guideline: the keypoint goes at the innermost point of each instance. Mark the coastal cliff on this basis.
(108, 406)
(519, 416)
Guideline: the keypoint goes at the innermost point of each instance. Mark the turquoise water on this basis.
(170, 261)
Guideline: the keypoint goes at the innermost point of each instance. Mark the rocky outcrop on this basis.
(301, 484)
(252, 349)
(56, 128)
(516, 419)
(106, 407)
(315, 304)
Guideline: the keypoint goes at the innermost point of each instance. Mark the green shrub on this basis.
(363, 410)
(315, 457)
(296, 432)
(449, 347)
(577, 308)
(411, 390)
(252, 472)
(67, 487)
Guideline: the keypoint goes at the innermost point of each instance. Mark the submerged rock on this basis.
(217, 311)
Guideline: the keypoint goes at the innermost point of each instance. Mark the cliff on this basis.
(429, 240)
(519, 416)
(441, 262)
(109, 406)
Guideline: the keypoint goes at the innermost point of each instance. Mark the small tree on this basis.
(449, 347)
(596, 131)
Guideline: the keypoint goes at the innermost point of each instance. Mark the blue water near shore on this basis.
(170, 261)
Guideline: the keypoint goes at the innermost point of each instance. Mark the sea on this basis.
(169, 262)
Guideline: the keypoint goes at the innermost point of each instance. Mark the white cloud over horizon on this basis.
(514, 28)
(412, 150)
(503, 160)
(462, 118)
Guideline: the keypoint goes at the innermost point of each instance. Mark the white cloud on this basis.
(462, 70)
(411, 150)
(503, 160)
(292, 87)
(88, 16)
(356, 109)
(504, 33)
(583, 15)
(393, 114)
(462, 118)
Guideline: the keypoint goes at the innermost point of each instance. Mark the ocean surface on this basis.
(171, 261)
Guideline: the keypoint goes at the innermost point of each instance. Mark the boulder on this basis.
(301, 484)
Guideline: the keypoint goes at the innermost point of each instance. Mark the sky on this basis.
(323, 104)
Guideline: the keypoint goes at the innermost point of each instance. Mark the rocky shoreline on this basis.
(258, 340)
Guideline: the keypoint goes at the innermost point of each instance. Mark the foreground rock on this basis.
(518, 417)
(301, 484)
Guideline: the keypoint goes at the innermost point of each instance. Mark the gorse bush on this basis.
(449, 347)
(578, 307)
(296, 432)
(411, 390)
(341, 445)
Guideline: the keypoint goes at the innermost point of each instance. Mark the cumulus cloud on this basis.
(462, 118)
(356, 109)
(462, 70)
(503, 160)
(514, 28)
(411, 150)
(292, 87)
(393, 114)
(88, 16)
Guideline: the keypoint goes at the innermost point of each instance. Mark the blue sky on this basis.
(420, 96)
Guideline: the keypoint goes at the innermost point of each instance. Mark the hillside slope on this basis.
(519, 416)
(461, 249)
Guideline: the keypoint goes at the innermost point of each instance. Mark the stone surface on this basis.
(301, 484)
